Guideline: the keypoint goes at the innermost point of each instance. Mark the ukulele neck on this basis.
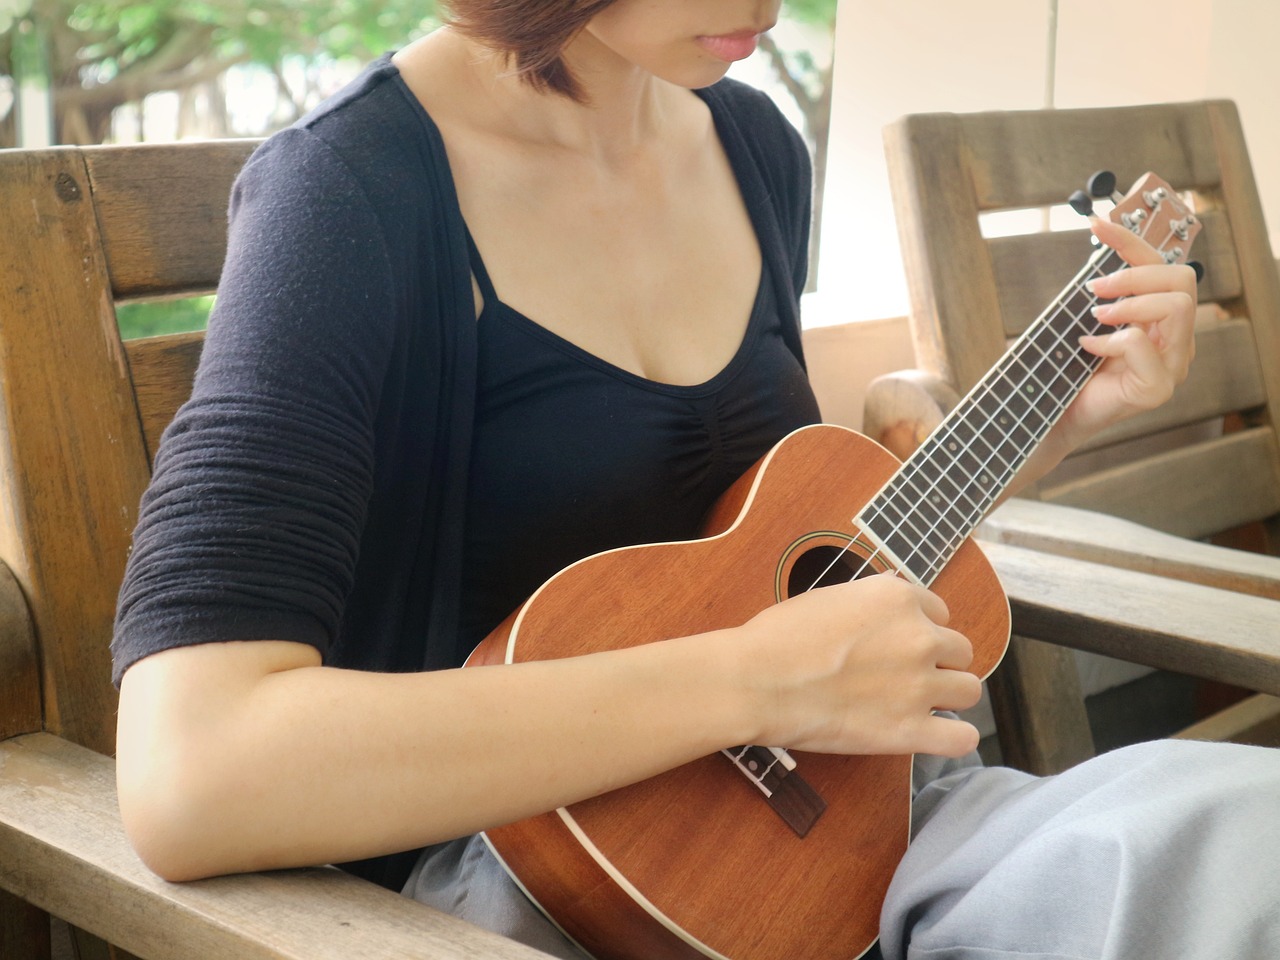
(948, 485)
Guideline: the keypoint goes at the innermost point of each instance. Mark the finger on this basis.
(933, 606)
(1148, 278)
(1153, 308)
(954, 651)
(945, 737)
(957, 690)
(1132, 248)
(1150, 379)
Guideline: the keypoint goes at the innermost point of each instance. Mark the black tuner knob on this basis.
(1081, 203)
(1198, 267)
(1102, 184)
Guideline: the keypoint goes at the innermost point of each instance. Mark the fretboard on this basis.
(946, 487)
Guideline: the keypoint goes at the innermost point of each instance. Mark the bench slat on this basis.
(1193, 491)
(62, 847)
(1163, 623)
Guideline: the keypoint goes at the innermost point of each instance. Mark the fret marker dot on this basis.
(951, 445)
(752, 766)
(985, 478)
(1030, 389)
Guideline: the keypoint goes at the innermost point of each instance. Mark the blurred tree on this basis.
(809, 84)
(99, 55)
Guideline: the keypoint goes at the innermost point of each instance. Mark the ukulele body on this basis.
(695, 862)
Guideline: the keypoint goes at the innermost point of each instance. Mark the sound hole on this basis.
(824, 566)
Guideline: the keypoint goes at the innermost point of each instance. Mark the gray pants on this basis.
(1163, 850)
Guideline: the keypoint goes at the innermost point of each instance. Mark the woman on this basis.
(525, 291)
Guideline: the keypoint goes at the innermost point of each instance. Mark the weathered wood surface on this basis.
(1260, 297)
(1038, 707)
(1160, 622)
(1255, 720)
(163, 217)
(24, 930)
(162, 369)
(64, 534)
(19, 665)
(1191, 491)
(1101, 538)
(62, 848)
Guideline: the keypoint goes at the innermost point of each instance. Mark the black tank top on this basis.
(573, 455)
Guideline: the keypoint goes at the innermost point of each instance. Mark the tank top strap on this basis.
(479, 271)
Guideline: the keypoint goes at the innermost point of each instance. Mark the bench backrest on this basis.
(80, 410)
(1175, 469)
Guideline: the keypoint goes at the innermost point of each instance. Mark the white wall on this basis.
(913, 56)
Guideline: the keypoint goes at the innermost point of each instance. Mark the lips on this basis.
(730, 47)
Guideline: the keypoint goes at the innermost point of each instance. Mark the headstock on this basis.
(1150, 209)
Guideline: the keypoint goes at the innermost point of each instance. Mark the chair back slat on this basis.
(163, 220)
(1024, 158)
(1180, 491)
(162, 369)
(82, 411)
(74, 465)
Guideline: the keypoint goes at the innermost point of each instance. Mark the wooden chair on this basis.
(82, 413)
(1208, 463)
(83, 229)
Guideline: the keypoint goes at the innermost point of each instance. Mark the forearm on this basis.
(312, 764)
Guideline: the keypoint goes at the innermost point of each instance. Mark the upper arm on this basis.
(251, 525)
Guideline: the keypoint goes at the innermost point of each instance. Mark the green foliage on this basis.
(262, 31)
(163, 316)
(821, 12)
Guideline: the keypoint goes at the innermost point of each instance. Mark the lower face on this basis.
(690, 43)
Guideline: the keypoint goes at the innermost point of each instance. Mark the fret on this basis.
(897, 525)
(996, 409)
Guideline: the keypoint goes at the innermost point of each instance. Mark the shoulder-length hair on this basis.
(532, 33)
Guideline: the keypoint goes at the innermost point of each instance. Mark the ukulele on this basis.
(760, 853)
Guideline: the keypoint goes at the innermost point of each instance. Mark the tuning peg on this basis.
(1081, 203)
(1102, 185)
(1198, 267)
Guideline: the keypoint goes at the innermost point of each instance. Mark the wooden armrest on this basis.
(62, 848)
(1153, 620)
(902, 408)
(1093, 536)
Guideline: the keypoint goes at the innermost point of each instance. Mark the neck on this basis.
(623, 110)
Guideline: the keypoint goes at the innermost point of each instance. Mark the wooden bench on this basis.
(84, 229)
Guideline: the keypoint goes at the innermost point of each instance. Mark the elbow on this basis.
(168, 819)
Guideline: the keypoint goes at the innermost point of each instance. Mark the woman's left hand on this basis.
(1145, 360)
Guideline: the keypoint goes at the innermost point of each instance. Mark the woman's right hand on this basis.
(859, 668)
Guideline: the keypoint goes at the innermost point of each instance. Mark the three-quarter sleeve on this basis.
(251, 525)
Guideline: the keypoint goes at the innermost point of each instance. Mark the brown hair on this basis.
(532, 33)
